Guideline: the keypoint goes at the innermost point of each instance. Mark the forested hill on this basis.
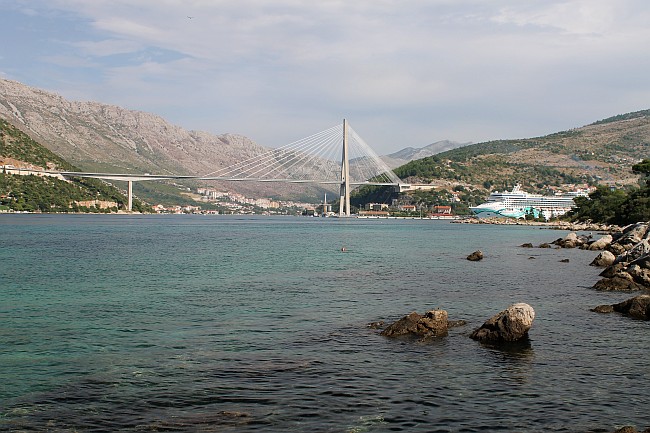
(600, 153)
(20, 192)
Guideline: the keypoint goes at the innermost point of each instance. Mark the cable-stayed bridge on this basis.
(335, 156)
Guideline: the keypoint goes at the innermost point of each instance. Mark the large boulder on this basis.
(637, 307)
(432, 324)
(621, 282)
(511, 324)
(638, 250)
(630, 236)
(604, 259)
(639, 273)
(475, 256)
(601, 243)
(572, 240)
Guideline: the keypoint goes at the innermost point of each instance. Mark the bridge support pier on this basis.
(344, 199)
(130, 198)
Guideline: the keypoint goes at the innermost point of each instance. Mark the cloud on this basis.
(410, 73)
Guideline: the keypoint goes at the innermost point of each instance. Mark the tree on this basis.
(643, 168)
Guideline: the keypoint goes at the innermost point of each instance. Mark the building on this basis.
(376, 206)
(407, 207)
(442, 210)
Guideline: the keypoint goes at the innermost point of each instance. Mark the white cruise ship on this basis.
(518, 204)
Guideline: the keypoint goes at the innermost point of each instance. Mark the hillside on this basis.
(105, 138)
(21, 192)
(601, 153)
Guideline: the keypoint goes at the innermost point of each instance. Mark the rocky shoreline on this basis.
(624, 253)
(555, 225)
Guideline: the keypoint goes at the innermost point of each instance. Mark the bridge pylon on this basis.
(344, 202)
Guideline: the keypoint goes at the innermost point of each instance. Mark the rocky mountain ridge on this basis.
(408, 154)
(106, 138)
(99, 136)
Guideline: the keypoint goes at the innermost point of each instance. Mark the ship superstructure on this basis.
(518, 203)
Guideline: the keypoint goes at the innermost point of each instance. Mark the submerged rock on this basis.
(475, 256)
(434, 323)
(603, 309)
(376, 325)
(631, 429)
(511, 324)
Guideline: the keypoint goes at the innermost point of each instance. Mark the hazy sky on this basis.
(403, 72)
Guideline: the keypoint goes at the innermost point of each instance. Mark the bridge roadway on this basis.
(130, 178)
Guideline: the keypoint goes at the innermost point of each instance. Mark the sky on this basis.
(402, 72)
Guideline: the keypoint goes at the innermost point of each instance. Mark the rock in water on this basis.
(601, 243)
(603, 259)
(638, 307)
(511, 324)
(621, 282)
(475, 256)
(432, 324)
(603, 309)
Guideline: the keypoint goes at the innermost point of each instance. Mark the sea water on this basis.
(242, 324)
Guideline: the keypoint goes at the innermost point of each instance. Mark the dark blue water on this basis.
(233, 324)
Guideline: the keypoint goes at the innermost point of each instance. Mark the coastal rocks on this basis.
(603, 259)
(618, 283)
(604, 309)
(475, 256)
(631, 429)
(572, 240)
(527, 245)
(632, 235)
(601, 243)
(630, 269)
(512, 324)
(637, 307)
(434, 323)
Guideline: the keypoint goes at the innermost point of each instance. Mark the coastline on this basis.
(555, 225)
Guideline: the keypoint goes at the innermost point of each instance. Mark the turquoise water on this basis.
(241, 324)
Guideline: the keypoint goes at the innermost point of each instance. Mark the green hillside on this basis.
(33, 193)
(601, 153)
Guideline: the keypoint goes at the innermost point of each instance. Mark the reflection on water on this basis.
(514, 358)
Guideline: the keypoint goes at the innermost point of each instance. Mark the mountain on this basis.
(408, 154)
(105, 138)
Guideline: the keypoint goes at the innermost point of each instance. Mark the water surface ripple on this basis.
(243, 324)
